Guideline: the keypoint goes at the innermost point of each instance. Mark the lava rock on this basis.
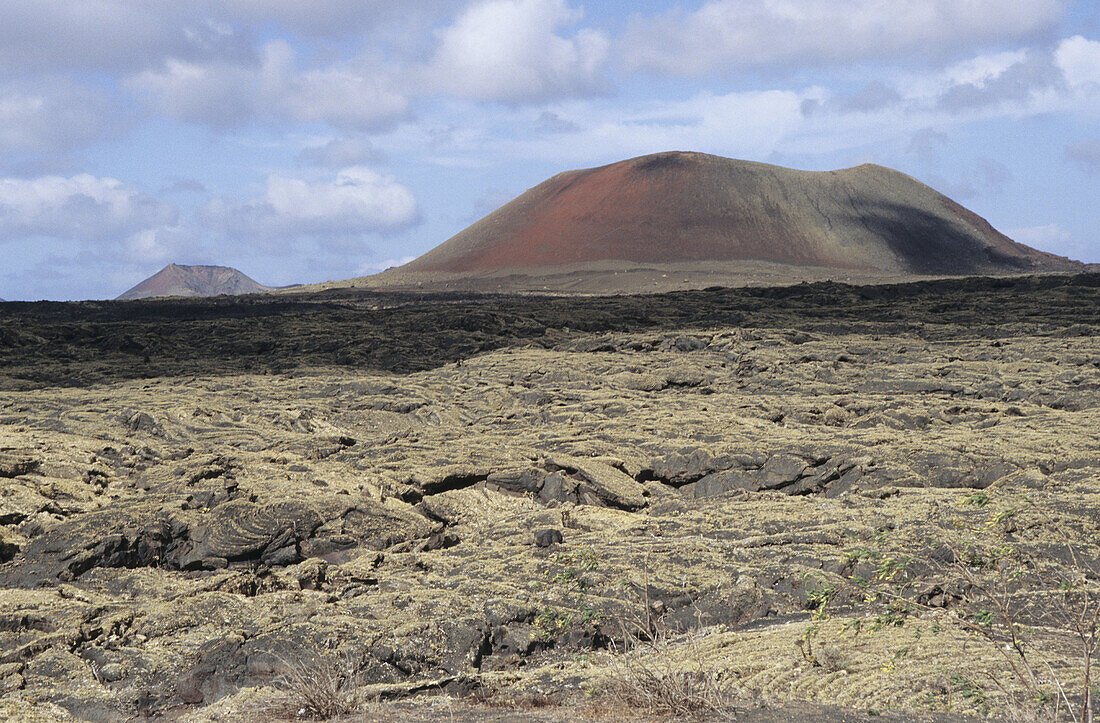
(548, 537)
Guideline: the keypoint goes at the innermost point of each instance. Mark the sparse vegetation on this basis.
(1029, 607)
(659, 678)
(320, 687)
(571, 579)
(186, 521)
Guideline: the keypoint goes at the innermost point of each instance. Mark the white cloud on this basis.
(109, 35)
(511, 50)
(982, 68)
(125, 36)
(359, 201)
(52, 118)
(122, 221)
(727, 34)
(216, 94)
(83, 207)
(1020, 83)
(336, 19)
(220, 94)
(745, 125)
(340, 153)
(1079, 59)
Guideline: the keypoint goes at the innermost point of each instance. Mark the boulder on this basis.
(613, 487)
(242, 530)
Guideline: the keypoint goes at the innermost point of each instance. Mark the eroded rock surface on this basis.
(167, 544)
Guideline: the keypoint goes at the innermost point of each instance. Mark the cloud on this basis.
(1087, 153)
(223, 95)
(109, 35)
(120, 220)
(873, 96)
(744, 125)
(1079, 59)
(1016, 83)
(82, 207)
(52, 118)
(989, 86)
(335, 19)
(723, 35)
(358, 201)
(551, 122)
(511, 50)
(340, 153)
(317, 18)
(124, 36)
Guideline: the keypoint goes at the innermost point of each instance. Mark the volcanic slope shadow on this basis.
(687, 209)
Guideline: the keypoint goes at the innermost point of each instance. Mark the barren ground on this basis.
(521, 508)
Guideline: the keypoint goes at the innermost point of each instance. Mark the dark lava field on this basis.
(830, 501)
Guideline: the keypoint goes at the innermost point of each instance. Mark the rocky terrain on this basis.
(179, 280)
(786, 501)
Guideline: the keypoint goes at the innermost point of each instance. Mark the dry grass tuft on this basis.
(321, 687)
(649, 679)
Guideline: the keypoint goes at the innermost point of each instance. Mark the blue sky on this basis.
(308, 141)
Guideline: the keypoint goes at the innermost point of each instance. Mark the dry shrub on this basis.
(320, 687)
(649, 679)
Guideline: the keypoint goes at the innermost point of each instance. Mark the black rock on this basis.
(440, 541)
(548, 537)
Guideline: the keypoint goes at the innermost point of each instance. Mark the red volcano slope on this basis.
(690, 207)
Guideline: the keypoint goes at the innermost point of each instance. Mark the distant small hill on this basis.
(179, 280)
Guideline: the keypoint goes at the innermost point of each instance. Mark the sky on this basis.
(310, 141)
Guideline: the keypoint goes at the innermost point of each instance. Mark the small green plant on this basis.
(572, 578)
(895, 617)
(818, 599)
(971, 692)
(590, 615)
(1002, 517)
(550, 623)
(890, 568)
(805, 645)
(861, 553)
(978, 499)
